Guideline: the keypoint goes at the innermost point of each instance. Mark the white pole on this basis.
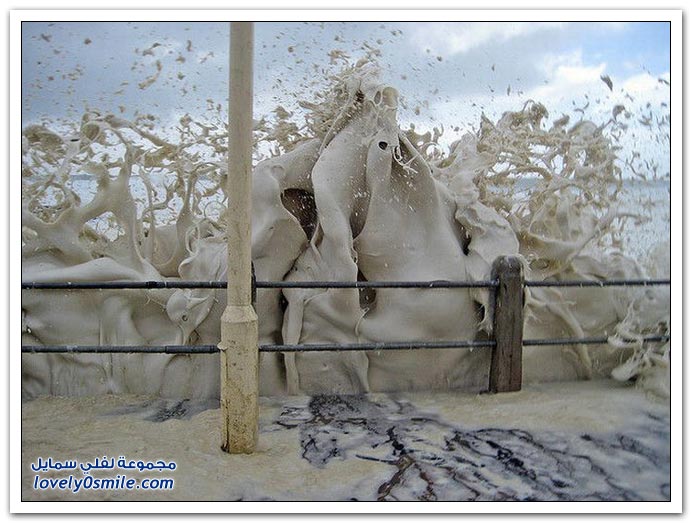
(239, 349)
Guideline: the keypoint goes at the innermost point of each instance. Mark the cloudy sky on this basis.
(446, 72)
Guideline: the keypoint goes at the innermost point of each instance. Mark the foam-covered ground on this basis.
(589, 440)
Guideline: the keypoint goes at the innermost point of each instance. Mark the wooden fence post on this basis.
(508, 325)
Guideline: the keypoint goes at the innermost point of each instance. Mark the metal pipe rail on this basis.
(99, 285)
(602, 340)
(597, 283)
(314, 347)
(120, 349)
(433, 284)
(211, 349)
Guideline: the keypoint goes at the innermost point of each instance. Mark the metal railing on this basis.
(433, 284)
(507, 303)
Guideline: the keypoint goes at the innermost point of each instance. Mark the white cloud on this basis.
(549, 62)
(567, 79)
(461, 37)
(570, 79)
(645, 84)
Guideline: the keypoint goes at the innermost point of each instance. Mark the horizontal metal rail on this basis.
(91, 285)
(316, 347)
(588, 341)
(434, 284)
(596, 283)
(211, 349)
(126, 349)
(376, 346)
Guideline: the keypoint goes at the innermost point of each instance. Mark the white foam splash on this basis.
(351, 196)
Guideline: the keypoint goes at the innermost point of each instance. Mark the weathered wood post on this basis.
(239, 349)
(508, 325)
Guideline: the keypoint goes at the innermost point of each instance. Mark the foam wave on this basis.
(350, 196)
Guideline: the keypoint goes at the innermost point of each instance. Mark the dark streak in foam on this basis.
(434, 460)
